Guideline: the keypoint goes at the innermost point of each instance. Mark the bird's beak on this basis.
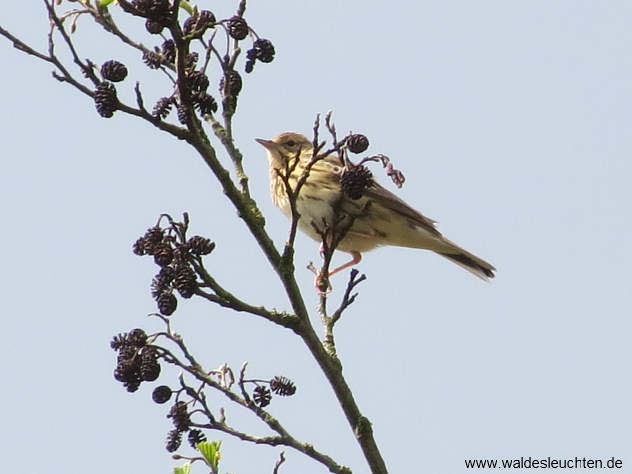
(268, 144)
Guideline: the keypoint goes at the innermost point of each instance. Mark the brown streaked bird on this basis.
(386, 221)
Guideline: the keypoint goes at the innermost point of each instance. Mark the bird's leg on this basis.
(356, 257)
(318, 283)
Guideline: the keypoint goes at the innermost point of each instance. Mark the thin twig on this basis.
(225, 136)
(105, 20)
(348, 298)
(224, 298)
(331, 127)
(277, 465)
(20, 45)
(240, 382)
(139, 98)
(87, 71)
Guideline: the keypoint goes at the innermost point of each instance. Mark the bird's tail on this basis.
(470, 262)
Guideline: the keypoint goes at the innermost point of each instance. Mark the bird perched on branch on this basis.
(336, 194)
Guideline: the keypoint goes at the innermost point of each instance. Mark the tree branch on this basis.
(250, 214)
(283, 437)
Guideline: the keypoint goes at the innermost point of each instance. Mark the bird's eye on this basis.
(290, 143)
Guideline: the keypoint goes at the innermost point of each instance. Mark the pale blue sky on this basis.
(512, 122)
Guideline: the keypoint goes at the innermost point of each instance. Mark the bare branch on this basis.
(331, 127)
(85, 69)
(242, 374)
(348, 298)
(227, 299)
(279, 462)
(20, 45)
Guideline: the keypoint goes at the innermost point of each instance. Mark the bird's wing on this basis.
(387, 199)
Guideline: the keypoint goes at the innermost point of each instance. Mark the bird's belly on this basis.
(318, 216)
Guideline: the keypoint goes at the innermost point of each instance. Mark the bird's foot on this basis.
(323, 287)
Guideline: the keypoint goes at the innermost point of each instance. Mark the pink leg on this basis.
(356, 257)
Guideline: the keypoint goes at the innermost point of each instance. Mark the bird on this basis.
(379, 217)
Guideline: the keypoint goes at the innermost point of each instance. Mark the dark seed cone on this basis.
(357, 143)
(148, 242)
(264, 50)
(237, 28)
(168, 51)
(163, 254)
(141, 6)
(139, 246)
(128, 372)
(105, 99)
(355, 181)
(167, 304)
(199, 23)
(154, 9)
(153, 235)
(167, 274)
(207, 18)
(127, 354)
(118, 341)
(113, 71)
(196, 436)
(161, 394)
(125, 371)
(129, 362)
(159, 287)
(183, 114)
(282, 386)
(162, 108)
(152, 59)
(197, 81)
(161, 283)
(150, 371)
(159, 9)
(191, 60)
(179, 416)
(204, 103)
(184, 281)
(137, 338)
(154, 27)
(262, 396)
(251, 56)
(174, 439)
(149, 366)
(189, 26)
(131, 386)
(233, 83)
(200, 245)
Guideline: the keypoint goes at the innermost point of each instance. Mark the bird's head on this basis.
(284, 147)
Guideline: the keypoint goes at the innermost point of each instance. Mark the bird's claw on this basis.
(319, 282)
(323, 286)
